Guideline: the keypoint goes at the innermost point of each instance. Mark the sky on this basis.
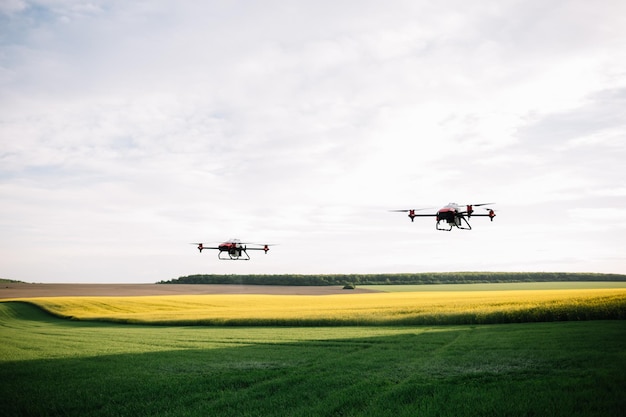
(131, 129)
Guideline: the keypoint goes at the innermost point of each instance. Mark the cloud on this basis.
(10, 7)
(303, 123)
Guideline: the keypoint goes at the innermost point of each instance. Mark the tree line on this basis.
(392, 279)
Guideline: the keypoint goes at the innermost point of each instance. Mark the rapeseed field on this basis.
(408, 308)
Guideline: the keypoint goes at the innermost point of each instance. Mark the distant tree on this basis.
(393, 279)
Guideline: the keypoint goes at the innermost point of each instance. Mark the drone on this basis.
(453, 214)
(234, 250)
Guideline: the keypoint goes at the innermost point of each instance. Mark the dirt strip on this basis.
(26, 290)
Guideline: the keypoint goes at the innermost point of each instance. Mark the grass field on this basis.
(318, 362)
(56, 367)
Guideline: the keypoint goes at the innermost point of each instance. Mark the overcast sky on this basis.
(130, 129)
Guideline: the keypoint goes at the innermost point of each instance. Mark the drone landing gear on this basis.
(460, 225)
(234, 256)
(458, 222)
(443, 229)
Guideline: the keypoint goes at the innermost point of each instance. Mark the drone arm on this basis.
(491, 215)
(265, 248)
(201, 247)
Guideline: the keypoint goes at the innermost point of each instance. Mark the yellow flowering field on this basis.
(435, 307)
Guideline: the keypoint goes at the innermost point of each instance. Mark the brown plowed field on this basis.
(24, 290)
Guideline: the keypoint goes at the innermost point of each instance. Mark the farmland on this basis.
(445, 305)
(51, 366)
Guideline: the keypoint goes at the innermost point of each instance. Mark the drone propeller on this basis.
(253, 243)
(478, 205)
(409, 210)
(412, 214)
(264, 248)
(470, 208)
(200, 246)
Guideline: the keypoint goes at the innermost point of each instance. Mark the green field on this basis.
(57, 367)
(501, 286)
